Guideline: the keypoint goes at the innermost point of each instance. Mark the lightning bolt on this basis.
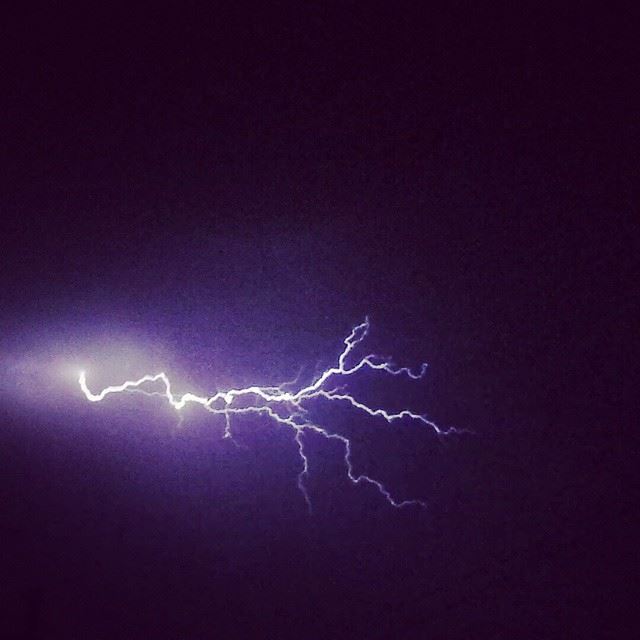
(288, 407)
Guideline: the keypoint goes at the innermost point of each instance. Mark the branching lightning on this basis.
(289, 407)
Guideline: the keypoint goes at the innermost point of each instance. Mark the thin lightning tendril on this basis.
(266, 399)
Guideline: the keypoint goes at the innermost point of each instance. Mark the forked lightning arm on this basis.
(287, 407)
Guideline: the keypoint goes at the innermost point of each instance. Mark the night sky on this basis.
(223, 194)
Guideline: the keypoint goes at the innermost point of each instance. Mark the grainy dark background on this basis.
(224, 192)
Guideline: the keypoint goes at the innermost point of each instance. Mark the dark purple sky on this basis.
(223, 194)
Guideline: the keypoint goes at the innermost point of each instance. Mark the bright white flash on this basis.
(290, 407)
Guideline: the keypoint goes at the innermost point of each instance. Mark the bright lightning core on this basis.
(288, 407)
